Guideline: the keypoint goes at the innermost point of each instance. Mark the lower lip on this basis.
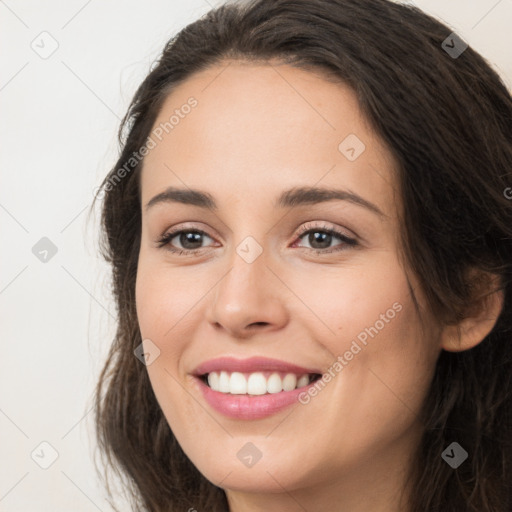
(250, 407)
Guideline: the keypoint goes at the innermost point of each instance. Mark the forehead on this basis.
(258, 128)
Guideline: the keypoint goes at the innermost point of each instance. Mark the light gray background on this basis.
(60, 116)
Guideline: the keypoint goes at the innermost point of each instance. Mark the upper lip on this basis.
(252, 364)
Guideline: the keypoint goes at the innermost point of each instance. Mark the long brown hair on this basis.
(448, 121)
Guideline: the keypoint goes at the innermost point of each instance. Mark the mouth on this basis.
(255, 395)
(253, 388)
(256, 383)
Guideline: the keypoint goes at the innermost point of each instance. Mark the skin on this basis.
(259, 130)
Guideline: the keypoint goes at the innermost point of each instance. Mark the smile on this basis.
(254, 388)
(257, 383)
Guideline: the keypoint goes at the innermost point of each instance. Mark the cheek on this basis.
(344, 301)
(165, 300)
(161, 315)
(385, 384)
(168, 309)
(387, 359)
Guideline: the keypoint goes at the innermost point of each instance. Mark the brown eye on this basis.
(190, 240)
(320, 239)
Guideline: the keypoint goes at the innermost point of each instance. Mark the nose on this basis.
(248, 299)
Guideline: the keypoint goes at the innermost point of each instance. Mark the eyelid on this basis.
(309, 225)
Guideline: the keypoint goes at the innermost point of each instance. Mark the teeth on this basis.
(255, 383)
(274, 383)
(223, 382)
(237, 384)
(289, 382)
(303, 381)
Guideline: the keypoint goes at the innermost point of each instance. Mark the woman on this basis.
(310, 236)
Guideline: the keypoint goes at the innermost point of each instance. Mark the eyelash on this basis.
(167, 237)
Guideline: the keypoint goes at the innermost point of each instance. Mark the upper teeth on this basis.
(255, 383)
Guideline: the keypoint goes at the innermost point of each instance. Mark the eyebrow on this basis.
(292, 198)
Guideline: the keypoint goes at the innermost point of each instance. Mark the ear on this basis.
(480, 318)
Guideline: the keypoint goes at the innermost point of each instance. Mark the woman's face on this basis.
(254, 285)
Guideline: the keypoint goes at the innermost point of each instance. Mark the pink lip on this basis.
(253, 364)
(250, 407)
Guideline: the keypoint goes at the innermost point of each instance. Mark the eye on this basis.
(319, 237)
(188, 238)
